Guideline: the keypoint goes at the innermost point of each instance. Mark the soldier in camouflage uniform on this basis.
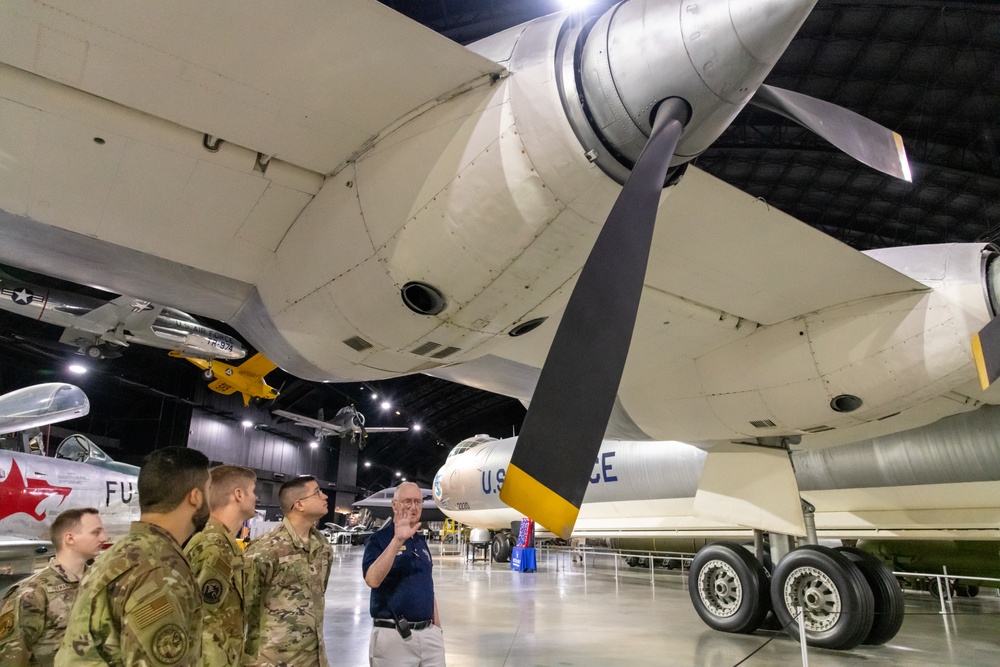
(34, 614)
(217, 563)
(139, 604)
(291, 567)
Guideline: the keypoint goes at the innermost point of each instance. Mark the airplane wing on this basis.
(222, 387)
(258, 364)
(203, 364)
(331, 428)
(301, 83)
(133, 314)
(722, 263)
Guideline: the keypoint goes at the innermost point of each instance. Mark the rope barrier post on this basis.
(652, 581)
(802, 636)
(940, 592)
(947, 586)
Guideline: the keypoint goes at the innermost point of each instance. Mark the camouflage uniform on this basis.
(285, 621)
(217, 564)
(138, 605)
(34, 615)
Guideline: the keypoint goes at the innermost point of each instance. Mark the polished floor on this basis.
(566, 614)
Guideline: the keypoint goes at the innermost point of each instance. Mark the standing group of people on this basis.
(151, 601)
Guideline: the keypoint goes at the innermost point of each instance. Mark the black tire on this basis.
(95, 352)
(632, 561)
(939, 590)
(838, 604)
(500, 548)
(973, 590)
(889, 604)
(729, 588)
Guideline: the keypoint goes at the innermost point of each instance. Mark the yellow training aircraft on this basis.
(247, 378)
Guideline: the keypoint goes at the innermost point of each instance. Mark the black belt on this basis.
(389, 623)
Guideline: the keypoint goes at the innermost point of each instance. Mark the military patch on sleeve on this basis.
(6, 625)
(151, 612)
(223, 565)
(169, 644)
(211, 591)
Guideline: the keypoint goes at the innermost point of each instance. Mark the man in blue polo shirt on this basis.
(397, 566)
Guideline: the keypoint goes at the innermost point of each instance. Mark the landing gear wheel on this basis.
(973, 590)
(729, 588)
(95, 352)
(500, 548)
(940, 590)
(208, 374)
(888, 595)
(839, 607)
(632, 561)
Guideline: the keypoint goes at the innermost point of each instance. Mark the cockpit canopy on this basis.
(470, 443)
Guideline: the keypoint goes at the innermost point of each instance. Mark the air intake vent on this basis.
(818, 429)
(763, 423)
(358, 343)
(426, 348)
(446, 352)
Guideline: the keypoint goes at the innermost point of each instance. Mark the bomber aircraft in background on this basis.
(486, 215)
(99, 328)
(247, 378)
(922, 498)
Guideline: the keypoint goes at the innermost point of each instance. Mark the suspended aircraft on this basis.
(99, 329)
(491, 215)
(347, 420)
(247, 378)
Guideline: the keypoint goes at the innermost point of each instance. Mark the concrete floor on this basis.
(564, 615)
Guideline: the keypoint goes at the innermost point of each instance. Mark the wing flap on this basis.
(299, 81)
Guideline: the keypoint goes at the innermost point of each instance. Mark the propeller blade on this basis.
(986, 352)
(863, 139)
(579, 381)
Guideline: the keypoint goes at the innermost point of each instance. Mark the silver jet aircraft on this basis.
(100, 328)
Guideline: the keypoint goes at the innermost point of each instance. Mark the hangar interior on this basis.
(928, 70)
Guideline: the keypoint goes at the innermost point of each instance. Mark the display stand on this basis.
(522, 559)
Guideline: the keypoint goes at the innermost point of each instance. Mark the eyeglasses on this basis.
(410, 502)
(314, 493)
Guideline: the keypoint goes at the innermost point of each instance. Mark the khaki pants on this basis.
(424, 648)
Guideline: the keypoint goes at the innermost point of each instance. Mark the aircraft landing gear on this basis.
(94, 352)
(848, 597)
(208, 374)
(730, 588)
(500, 547)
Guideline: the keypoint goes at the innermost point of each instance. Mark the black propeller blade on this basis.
(579, 381)
(986, 352)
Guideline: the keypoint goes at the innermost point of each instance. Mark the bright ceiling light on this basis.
(313, 444)
(399, 474)
(397, 412)
(368, 464)
(77, 368)
(416, 427)
(247, 423)
(404, 479)
(374, 397)
(386, 405)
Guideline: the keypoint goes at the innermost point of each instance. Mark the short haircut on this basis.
(289, 491)
(395, 494)
(168, 476)
(225, 480)
(67, 522)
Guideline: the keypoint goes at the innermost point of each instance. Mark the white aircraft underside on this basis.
(419, 160)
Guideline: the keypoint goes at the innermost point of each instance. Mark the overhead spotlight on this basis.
(368, 464)
(404, 479)
(374, 397)
(386, 405)
(399, 474)
(397, 412)
(247, 423)
(313, 444)
(416, 427)
(77, 368)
